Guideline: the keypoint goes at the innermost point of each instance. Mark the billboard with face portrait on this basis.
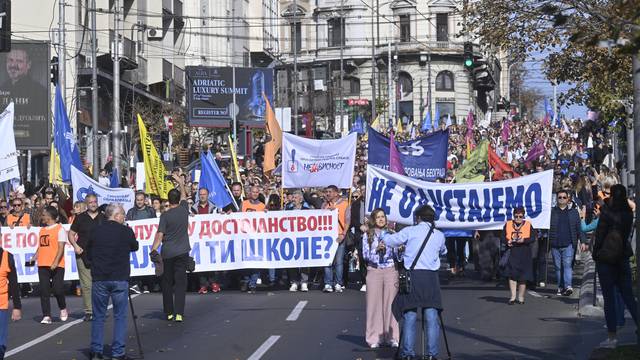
(25, 80)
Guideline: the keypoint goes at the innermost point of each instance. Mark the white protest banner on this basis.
(253, 240)
(470, 206)
(8, 154)
(310, 162)
(84, 185)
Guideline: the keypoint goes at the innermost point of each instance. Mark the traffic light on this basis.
(5, 25)
(482, 78)
(469, 61)
(54, 70)
(164, 138)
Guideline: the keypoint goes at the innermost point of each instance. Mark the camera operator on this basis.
(424, 290)
(174, 236)
(108, 250)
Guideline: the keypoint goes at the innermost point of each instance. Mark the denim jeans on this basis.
(118, 291)
(431, 332)
(4, 330)
(562, 259)
(338, 265)
(616, 278)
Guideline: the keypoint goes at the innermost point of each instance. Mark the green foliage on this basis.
(573, 33)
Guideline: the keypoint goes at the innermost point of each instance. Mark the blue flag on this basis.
(436, 121)
(211, 179)
(358, 127)
(422, 158)
(114, 180)
(63, 139)
(426, 124)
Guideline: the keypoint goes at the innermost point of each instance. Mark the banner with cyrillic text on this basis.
(256, 240)
(470, 206)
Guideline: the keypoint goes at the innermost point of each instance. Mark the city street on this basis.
(233, 325)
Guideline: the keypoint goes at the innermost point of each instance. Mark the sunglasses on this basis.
(518, 216)
(562, 197)
(16, 205)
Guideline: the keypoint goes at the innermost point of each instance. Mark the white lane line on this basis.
(50, 334)
(264, 347)
(295, 313)
(534, 294)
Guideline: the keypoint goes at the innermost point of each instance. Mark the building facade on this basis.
(416, 44)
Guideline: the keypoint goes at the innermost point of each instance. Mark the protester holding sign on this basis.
(333, 201)
(173, 234)
(50, 259)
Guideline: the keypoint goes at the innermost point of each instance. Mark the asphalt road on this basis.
(234, 325)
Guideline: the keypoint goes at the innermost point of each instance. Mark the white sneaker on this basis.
(259, 281)
(294, 287)
(339, 288)
(327, 288)
(64, 315)
(609, 344)
(46, 320)
(542, 284)
(304, 287)
(394, 344)
(135, 289)
(374, 346)
(364, 288)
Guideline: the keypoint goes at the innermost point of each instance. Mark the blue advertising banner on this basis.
(210, 94)
(424, 158)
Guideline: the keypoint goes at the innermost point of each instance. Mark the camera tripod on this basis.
(424, 350)
(134, 317)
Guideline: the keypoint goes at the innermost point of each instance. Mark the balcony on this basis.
(128, 56)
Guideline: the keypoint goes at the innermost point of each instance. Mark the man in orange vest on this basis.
(8, 288)
(333, 200)
(17, 216)
(252, 204)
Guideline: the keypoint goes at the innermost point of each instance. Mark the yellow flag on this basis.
(154, 170)
(272, 146)
(234, 156)
(375, 125)
(399, 126)
(55, 173)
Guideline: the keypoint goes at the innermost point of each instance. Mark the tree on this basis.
(572, 33)
(531, 98)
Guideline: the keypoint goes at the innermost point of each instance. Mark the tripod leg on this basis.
(135, 327)
(422, 332)
(444, 335)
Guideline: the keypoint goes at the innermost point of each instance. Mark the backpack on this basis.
(612, 250)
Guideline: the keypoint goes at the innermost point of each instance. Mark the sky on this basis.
(537, 79)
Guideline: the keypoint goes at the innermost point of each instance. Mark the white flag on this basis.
(8, 154)
(309, 162)
(84, 185)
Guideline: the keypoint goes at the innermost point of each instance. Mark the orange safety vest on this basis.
(523, 233)
(25, 220)
(5, 269)
(48, 247)
(248, 206)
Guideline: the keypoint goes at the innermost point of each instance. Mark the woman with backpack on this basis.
(611, 252)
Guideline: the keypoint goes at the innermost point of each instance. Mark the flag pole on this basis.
(232, 198)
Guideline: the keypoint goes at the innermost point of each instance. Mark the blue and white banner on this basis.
(470, 206)
(310, 162)
(255, 240)
(84, 185)
(8, 155)
(423, 158)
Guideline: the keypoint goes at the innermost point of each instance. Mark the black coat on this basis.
(574, 227)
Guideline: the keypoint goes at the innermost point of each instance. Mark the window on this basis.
(405, 28)
(351, 86)
(445, 109)
(296, 39)
(405, 84)
(336, 32)
(442, 27)
(444, 81)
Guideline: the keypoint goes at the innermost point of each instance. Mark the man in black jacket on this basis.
(564, 234)
(108, 250)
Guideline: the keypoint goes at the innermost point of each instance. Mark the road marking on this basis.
(264, 347)
(534, 294)
(50, 334)
(295, 313)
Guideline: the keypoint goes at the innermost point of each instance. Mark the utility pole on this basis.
(429, 86)
(295, 67)
(233, 69)
(373, 69)
(62, 49)
(94, 92)
(636, 153)
(342, 40)
(389, 84)
(555, 102)
(115, 121)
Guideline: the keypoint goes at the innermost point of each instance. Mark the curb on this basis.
(585, 306)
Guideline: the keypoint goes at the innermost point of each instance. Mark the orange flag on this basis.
(274, 142)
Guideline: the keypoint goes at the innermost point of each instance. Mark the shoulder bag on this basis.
(404, 275)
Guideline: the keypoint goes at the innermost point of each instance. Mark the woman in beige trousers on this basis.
(382, 284)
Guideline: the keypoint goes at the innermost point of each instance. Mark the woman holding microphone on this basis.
(382, 280)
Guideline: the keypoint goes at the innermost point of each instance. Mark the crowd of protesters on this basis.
(586, 173)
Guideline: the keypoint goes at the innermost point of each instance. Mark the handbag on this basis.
(404, 275)
(191, 264)
(504, 259)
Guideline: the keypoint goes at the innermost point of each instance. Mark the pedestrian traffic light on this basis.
(164, 138)
(469, 61)
(54, 70)
(5, 25)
